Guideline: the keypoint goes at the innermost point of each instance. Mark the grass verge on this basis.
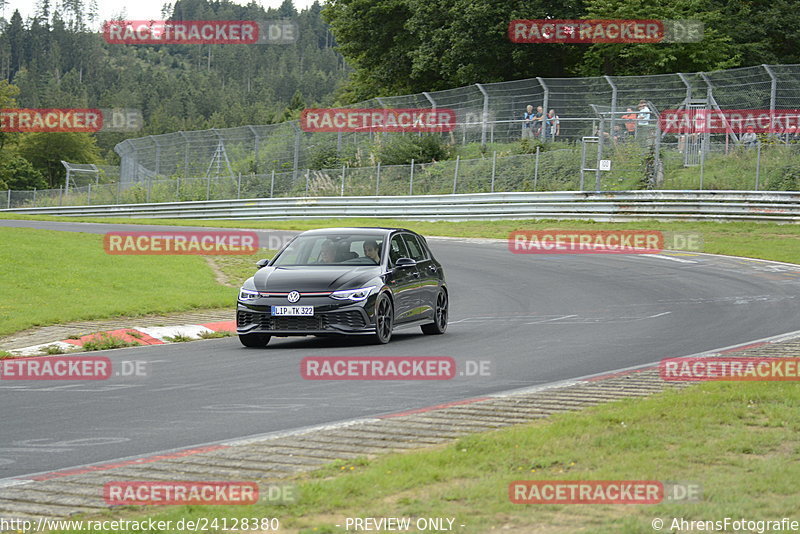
(743, 453)
(769, 241)
(56, 277)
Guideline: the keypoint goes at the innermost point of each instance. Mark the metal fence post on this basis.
(342, 192)
(177, 189)
(494, 167)
(455, 175)
(613, 103)
(208, 187)
(308, 175)
(411, 183)
(536, 169)
(378, 179)
(296, 151)
(34, 197)
(60, 195)
(239, 187)
(601, 131)
(758, 165)
(702, 161)
(485, 116)
(149, 186)
(545, 96)
(255, 148)
(272, 184)
(773, 90)
(89, 195)
(9, 200)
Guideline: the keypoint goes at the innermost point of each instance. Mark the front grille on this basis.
(292, 323)
(348, 319)
(245, 318)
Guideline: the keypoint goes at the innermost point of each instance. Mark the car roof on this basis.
(378, 230)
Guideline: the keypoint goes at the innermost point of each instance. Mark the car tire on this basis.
(254, 340)
(439, 324)
(384, 319)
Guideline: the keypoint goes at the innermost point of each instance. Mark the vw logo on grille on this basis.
(294, 296)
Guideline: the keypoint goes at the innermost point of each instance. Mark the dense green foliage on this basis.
(409, 46)
(58, 59)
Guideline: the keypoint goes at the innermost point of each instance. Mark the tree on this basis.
(716, 51)
(405, 46)
(46, 150)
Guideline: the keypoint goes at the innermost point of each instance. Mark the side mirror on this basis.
(262, 263)
(404, 262)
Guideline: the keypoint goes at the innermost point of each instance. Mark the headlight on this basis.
(246, 294)
(352, 294)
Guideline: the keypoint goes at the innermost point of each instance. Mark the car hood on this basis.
(316, 278)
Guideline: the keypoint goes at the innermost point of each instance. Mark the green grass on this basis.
(770, 241)
(104, 341)
(215, 335)
(51, 350)
(5, 354)
(178, 338)
(743, 453)
(54, 277)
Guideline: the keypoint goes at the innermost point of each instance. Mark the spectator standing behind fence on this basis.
(527, 125)
(538, 122)
(630, 121)
(552, 125)
(750, 139)
(644, 119)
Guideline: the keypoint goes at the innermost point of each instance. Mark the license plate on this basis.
(293, 310)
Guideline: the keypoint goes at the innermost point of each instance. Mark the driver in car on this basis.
(371, 250)
(328, 253)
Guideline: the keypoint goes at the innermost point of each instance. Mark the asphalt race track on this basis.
(536, 318)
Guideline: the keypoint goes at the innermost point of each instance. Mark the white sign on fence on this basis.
(605, 164)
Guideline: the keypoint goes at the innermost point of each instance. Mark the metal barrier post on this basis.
(455, 175)
(758, 165)
(239, 187)
(272, 184)
(342, 193)
(536, 170)
(494, 166)
(89, 195)
(411, 182)
(378, 179)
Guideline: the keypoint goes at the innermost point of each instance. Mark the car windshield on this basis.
(332, 249)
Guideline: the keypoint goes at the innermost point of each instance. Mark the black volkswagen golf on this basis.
(362, 281)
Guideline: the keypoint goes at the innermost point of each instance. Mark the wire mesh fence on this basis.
(592, 123)
(555, 167)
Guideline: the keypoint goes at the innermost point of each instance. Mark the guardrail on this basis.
(774, 206)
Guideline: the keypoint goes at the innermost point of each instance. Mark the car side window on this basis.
(414, 249)
(397, 250)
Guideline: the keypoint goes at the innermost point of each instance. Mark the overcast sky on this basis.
(136, 10)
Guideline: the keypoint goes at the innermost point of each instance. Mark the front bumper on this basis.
(328, 318)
